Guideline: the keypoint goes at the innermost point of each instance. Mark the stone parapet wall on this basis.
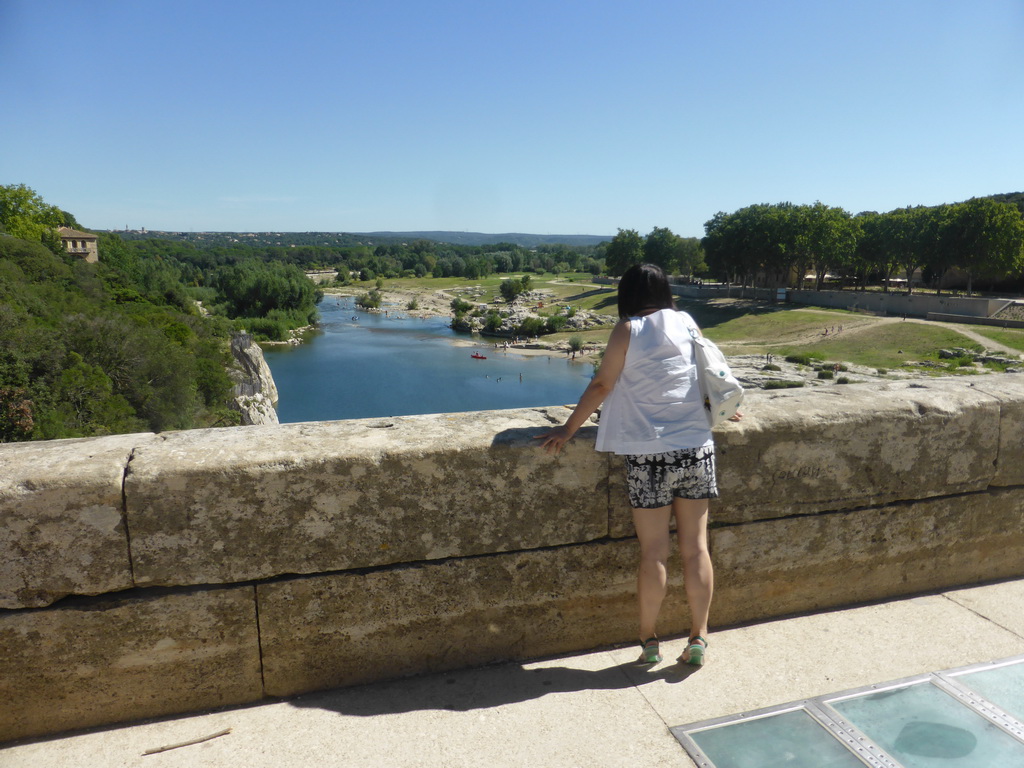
(899, 303)
(146, 575)
(998, 321)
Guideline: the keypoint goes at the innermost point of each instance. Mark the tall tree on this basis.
(661, 247)
(900, 230)
(832, 238)
(625, 250)
(24, 214)
(873, 253)
(989, 237)
(691, 256)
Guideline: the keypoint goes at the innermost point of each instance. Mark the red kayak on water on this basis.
(478, 356)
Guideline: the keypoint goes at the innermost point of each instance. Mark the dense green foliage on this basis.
(777, 245)
(675, 254)
(24, 214)
(514, 287)
(86, 349)
(417, 258)
(138, 341)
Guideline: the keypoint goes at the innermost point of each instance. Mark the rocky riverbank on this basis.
(437, 303)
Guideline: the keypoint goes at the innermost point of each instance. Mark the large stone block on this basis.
(111, 660)
(844, 447)
(61, 519)
(1008, 390)
(217, 506)
(334, 630)
(772, 568)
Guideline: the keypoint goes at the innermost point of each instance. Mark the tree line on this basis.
(952, 244)
(676, 255)
(417, 258)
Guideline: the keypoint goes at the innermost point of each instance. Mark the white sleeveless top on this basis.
(655, 406)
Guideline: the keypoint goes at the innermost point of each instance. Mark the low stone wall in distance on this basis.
(146, 575)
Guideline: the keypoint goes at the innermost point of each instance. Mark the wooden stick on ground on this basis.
(188, 743)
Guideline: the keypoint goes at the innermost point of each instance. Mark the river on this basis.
(364, 365)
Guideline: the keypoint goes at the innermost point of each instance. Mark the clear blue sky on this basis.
(541, 116)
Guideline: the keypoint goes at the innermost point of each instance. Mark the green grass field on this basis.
(1008, 336)
(886, 346)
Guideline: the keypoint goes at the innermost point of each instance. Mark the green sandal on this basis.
(695, 651)
(650, 652)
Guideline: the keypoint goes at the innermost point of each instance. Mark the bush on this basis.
(781, 384)
(531, 326)
(825, 374)
(412, 305)
(460, 306)
(493, 322)
(771, 367)
(369, 300)
(263, 328)
(842, 380)
(882, 371)
(510, 289)
(555, 323)
(799, 359)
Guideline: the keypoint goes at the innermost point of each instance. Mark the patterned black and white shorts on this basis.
(654, 479)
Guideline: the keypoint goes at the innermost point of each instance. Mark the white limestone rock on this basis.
(255, 393)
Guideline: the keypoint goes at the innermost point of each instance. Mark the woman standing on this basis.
(654, 416)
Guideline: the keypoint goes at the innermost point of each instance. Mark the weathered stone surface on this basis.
(61, 527)
(216, 506)
(857, 445)
(332, 630)
(776, 567)
(110, 660)
(255, 392)
(450, 540)
(1008, 389)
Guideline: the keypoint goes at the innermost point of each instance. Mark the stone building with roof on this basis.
(81, 244)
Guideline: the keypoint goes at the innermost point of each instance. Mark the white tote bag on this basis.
(722, 392)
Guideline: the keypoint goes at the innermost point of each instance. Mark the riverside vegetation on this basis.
(135, 342)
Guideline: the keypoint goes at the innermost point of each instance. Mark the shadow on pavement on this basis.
(484, 688)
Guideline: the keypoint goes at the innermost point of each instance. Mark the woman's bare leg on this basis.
(652, 576)
(698, 575)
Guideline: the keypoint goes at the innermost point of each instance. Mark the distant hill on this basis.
(479, 238)
(349, 239)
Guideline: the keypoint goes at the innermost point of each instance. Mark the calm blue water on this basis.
(395, 366)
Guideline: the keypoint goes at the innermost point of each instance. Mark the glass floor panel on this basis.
(964, 718)
(1003, 686)
(792, 739)
(922, 726)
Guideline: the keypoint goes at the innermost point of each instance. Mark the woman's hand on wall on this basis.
(555, 439)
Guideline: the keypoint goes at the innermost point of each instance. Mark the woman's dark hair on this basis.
(644, 286)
